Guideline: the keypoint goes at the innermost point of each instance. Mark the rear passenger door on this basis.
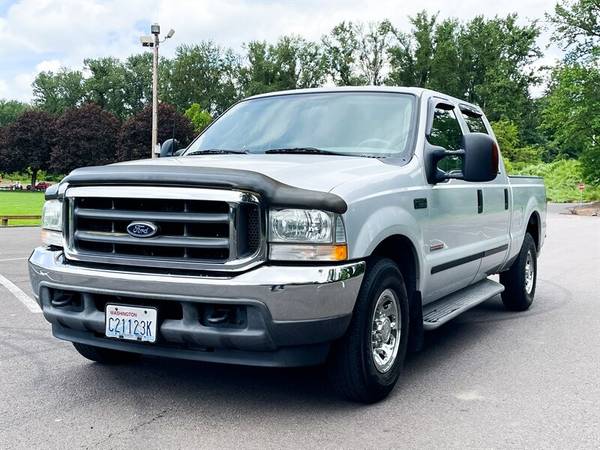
(451, 236)
(495, 204)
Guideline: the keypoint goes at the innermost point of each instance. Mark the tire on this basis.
(105, 355)
(352, 367)
(520, 280)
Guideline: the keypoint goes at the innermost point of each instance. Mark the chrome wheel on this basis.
(529, 273)
(385, 331)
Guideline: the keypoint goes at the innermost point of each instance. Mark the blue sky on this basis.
(40, 35)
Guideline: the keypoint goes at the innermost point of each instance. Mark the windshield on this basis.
(353, 123)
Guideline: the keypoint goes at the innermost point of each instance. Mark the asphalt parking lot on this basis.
(490, 379)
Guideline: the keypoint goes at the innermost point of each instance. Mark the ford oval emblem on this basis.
(142, 229)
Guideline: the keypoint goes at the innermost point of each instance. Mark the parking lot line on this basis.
(13, 259)
(21, 296)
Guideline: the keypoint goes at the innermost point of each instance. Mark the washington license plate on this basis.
(131, 323)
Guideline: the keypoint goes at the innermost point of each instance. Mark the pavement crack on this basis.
(159, 415)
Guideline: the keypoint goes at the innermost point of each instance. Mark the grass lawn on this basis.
(21, 203)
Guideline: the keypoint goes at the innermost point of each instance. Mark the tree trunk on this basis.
(33, 178)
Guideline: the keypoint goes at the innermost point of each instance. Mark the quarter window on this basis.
(475, 123)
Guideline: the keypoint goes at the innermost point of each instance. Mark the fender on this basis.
(381, 224)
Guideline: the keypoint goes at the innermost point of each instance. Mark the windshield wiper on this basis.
(217, 151)
(298, 150)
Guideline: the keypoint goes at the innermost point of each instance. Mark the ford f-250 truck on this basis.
(304, 227)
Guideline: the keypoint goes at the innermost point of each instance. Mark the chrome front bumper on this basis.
(291, 312)
(289, 293)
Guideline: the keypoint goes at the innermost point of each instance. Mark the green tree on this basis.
(135, 136)
(484, 61)
(445, 61)
(341, 48)
(206, 74)
(411, 56)
(10, 110)
(138, 80)
(291, 63)
(199, 117)
(374, 41)
(496, 56)
(570, 115)
(57, 92)
(508, 136)
(260, 74)
(577, 27)
(106, 85)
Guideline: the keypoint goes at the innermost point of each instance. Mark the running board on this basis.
(447, 308)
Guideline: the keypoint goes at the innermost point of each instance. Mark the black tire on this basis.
(351, 367)
(105, 355)
(516, 295)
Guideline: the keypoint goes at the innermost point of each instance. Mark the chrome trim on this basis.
(159, 241)
(162, 193)
(234, 198)
(145, 215)
(289, 292)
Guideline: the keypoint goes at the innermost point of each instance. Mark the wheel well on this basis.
(401, 250)
(533, 228)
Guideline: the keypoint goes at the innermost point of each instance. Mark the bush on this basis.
(561, 178)
(25, 177)
(590, 161)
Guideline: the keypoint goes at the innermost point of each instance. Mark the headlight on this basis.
(52, 223)
(306, 234)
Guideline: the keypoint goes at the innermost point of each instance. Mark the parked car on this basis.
(320, 226)
(42, 186)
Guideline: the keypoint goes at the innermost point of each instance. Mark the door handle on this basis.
(479, 201)
(505, 198)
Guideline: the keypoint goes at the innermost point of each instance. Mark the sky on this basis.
(37, 35)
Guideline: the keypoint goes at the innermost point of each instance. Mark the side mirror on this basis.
(169, 147)
(479, 160)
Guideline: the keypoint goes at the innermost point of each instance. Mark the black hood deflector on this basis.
(273, 192)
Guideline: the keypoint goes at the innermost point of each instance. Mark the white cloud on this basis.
(51, 65)
(46, 34)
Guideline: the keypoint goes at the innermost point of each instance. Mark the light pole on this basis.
(154, 41)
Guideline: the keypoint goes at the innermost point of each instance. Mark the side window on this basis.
(446, 132)
(475, 123)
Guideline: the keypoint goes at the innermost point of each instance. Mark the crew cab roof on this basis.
(419, 92)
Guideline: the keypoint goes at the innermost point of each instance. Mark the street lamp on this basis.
(154, 41)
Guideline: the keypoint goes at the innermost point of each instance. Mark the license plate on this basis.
(130, 323)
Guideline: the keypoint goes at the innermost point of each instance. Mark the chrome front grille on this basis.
(205, 229)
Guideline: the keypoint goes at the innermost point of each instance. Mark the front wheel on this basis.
(366, 363)
(520, 280)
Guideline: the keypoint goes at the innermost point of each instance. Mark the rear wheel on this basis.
(520, 280)
(366, 363)
(105, 355)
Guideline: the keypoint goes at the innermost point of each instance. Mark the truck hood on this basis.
(286, 181)
(314, 172)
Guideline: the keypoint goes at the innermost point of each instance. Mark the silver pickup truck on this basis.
(320, 226)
